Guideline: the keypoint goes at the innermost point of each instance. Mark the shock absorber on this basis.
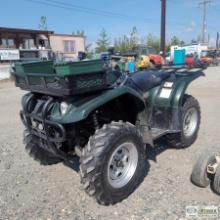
(95, 120)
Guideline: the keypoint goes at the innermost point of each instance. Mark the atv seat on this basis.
(146, 80)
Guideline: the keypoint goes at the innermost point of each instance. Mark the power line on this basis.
(78, 8)
(66, 7)
(89, 9)
(104, 13)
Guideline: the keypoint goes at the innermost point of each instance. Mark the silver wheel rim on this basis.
(122, 165)
(190, 122)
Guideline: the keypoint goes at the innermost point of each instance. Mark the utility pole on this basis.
(163, 28)
(217, 41)
(204, 3)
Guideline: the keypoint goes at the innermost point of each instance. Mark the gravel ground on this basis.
(30, 191)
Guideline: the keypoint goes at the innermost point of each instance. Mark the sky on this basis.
(184, 17)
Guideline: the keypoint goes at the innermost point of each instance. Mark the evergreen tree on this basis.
(153, 41)
(79, 33)
(134, 38)
(103, 42)
(182, 43)
(127, 43)
(175, 41)
(193, 41)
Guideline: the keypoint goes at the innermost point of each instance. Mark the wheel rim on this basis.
(122, 165)
(190, 122)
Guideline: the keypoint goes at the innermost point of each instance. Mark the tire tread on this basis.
(91, 169)
(36, 152)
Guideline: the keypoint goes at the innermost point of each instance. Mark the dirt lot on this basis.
(30, 191)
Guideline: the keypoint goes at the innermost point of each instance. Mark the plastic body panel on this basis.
(81, 106)
(178, 84)
(166, 100)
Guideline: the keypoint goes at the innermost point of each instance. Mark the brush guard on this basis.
(40, 126)
(50, 133)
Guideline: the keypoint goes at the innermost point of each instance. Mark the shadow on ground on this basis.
(159, 147)
(73, 163)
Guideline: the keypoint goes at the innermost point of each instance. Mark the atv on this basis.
(107, 119)
(207, 170)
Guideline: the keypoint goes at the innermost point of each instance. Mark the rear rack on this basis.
(52, 84)
(181, 69)
(64, 79)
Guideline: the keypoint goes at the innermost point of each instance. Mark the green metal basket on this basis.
(79, 67)
(70, 78)
(46, 67)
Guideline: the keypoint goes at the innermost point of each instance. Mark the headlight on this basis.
(64, 108)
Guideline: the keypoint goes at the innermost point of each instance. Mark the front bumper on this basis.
(39, 125)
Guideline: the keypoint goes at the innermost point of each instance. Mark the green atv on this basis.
(88, 110)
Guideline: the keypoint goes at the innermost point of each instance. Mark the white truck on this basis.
(190, 49)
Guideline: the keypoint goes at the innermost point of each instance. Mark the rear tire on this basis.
(199, 174)
(102, 161)
(36, 152)
(189, 132)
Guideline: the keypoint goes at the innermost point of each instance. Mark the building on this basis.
(67, 46)
(18, 44)
(27, 44)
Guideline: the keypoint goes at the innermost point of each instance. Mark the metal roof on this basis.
(21, 30)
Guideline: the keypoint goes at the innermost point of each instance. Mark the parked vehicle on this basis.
(105, 118)
(168, 60)
(192, 61)
(189, 49)
(156, 60)
(218, 55)
(143, 62)
(210, 57)
(206, 171)
(207, 57)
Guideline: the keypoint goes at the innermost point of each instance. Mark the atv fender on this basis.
(177, 86)
(166, 101)
(80, 110)
(182, 87)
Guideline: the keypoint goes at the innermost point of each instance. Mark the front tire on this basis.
(113, 163)
(32, 146)
(191, 118)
